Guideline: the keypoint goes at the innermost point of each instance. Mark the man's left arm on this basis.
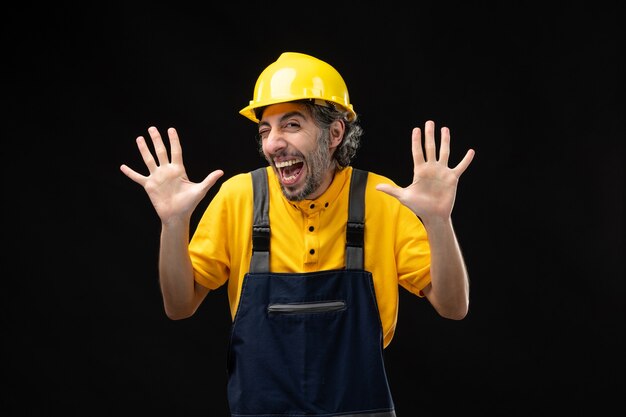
(431, 196)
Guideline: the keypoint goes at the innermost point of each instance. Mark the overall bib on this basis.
(308, 344)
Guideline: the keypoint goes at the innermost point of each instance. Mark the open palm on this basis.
(168, 187)
(433, 190)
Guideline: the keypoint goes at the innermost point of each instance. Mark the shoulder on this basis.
(237, 187)
(239, 181)
(373, 179)
(378, 201)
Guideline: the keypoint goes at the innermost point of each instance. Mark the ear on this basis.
(337, 130)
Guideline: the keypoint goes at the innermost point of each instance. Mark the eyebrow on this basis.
(285, 117)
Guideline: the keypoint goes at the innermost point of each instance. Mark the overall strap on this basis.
(261, 226)
(356, 224)
(260, 261)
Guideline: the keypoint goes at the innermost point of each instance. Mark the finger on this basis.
(175, 149)
(444, 148)
(159, 146)
(416, 146)
(429, 141)
(133, 175)
(389, 189)
(212, 178)
(465, 162)
(146, 155)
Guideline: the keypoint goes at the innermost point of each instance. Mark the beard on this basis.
(318, 162)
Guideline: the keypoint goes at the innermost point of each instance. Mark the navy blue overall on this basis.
(308, 344)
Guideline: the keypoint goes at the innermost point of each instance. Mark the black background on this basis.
(537, 91)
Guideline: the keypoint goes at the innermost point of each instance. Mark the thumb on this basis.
(389, 189)
(212, 178)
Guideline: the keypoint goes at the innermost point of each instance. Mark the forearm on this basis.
(176, 272)
(449, 291)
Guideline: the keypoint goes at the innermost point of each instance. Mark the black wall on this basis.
(537, 92)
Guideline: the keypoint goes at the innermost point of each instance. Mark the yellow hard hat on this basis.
(296, 76)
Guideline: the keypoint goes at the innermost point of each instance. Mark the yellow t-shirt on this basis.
(309, 236)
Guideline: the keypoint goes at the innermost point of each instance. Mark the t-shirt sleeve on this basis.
(215, 247)
(413, 253)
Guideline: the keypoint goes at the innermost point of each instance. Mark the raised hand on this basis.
(170, 191)
(432, 193)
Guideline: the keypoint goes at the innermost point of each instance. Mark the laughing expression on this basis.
(297, 149)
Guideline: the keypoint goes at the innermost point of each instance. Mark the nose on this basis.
(274, 142)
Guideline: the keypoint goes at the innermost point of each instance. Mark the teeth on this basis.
(289, 163)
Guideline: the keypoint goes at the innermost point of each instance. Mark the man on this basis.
(313, 250)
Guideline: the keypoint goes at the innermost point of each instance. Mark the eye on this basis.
(291, 126)
(263, 134)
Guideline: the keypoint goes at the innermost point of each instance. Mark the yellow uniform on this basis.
(309, 235)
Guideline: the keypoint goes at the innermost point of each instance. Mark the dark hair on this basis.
(324, 115)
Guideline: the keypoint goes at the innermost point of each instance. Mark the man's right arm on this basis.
(181, 294)
(174, 198)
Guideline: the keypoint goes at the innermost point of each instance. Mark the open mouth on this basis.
(290, 170)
